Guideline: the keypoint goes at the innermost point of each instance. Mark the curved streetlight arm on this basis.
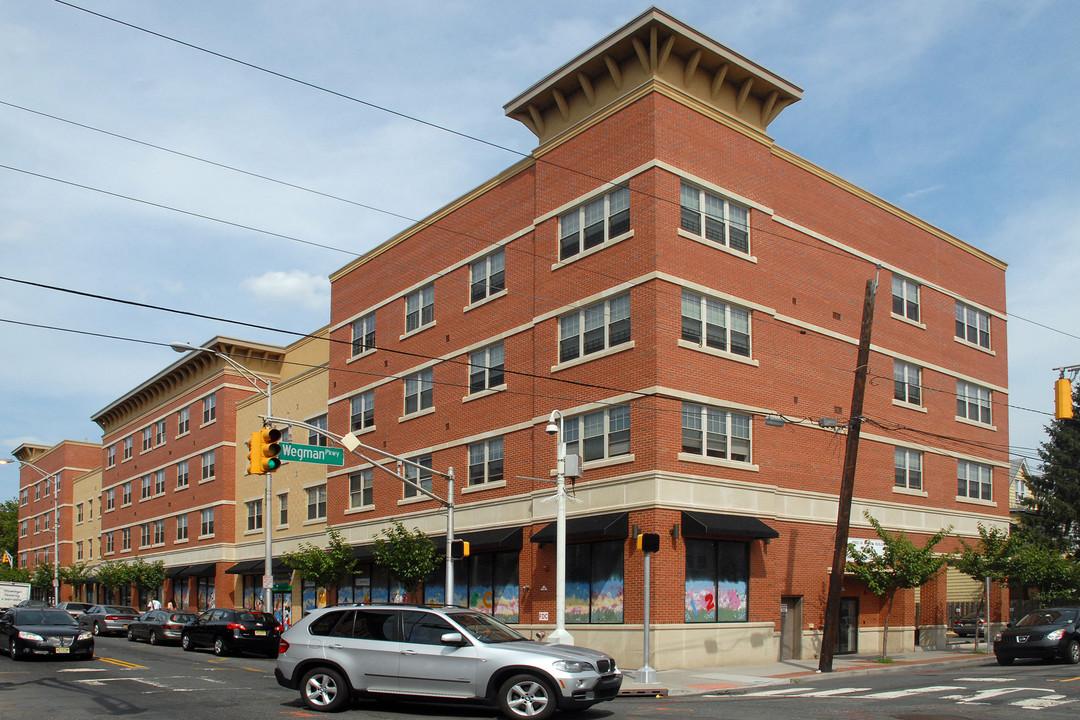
(247, 374)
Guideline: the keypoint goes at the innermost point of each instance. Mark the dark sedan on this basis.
(232, 631)
(30, 632)
(159, 626)
(107, 618)
(966, 626)
(1046, 634)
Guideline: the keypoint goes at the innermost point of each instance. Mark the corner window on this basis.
(419, 476)
(486, 462)
(363, 335)
(362, 409)
(599, 435)
(907, 383)
(594, 223)
(362, 488)
(594, 582)
(486, 368)
(972, 325)
(715, 218)
(419, 391)
(420, 308)
(712, 432)
(709, 322)
(973, 480)
(908, 469)
(972, 402)
(595, 328)
(487, 276)
(316, 503)
(905, 298)
(717, 581)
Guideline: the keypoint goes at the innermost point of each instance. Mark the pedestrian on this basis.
(169, 605)
(153, 604)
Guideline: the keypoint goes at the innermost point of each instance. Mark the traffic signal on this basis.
(459, 549)
(1063, 409)
(648, 542)
(264, 451)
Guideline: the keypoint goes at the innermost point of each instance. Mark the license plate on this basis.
(61, 650)
(260, 632)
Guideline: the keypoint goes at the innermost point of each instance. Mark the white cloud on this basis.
(286, 288)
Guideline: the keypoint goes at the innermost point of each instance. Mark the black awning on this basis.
(497, 539)
(198, 570)
(248, 567)
(594, 527)
(176, 571)
(364, 553)
(702, 523)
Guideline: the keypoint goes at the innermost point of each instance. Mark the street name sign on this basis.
(316, 454)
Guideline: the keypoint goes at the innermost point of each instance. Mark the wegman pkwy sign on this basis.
(316, 454)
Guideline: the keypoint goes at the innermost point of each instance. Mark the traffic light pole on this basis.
(268, 556)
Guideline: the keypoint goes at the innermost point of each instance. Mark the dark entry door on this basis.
(847, 637)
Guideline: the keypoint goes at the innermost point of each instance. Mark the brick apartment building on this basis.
(667, 277)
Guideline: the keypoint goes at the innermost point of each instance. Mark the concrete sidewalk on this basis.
(736, 678)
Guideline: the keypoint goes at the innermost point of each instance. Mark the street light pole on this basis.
(560, 636)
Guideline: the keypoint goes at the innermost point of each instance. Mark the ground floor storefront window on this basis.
(594, 582)
(717, 580)
(205, 592)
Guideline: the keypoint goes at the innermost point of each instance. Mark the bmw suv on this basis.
(437, 652)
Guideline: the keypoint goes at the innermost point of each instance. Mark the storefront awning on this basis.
(594, 527)
(198, 570)
(479, 540)
(176, 571)
(248, 567)
(702, 523)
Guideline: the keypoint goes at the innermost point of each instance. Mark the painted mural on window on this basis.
(717, 581)
(486, 582)
(594, 582)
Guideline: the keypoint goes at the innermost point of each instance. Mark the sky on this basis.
(143, 169)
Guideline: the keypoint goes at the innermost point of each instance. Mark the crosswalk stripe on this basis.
(1043, 702)
(782, 691)
(828, 693)
(893, 694)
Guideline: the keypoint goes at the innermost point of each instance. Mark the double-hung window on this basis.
(419, 391)
(159, 532)
(905, 298)
(487, 276)
(362, 488)
(972, 402)
(710, 322)
(128, 441)
(972, 325)
(254, 515)
(182, 474)
(712, 432)
(973, 480)
(181, 527)
(159, 432)
(594, 223)
(110, 455)
(908, 469)
(144, 535)
(418, 475)
(207, 526)
(127, 494)
(486, 462)
(159, 482)
(208, 462)
(714, 218)
(183, 421)
(362, 411)
(125, 536)
(599, 435)
(110, 499)
(595, 328)
(209, 408)
(907, 383)
(420, 308)
(363, 334)
(486, 368)
(147, 438)
(316, 503)
(147, 485)
(316, 438)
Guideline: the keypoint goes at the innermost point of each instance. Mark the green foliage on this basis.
(407, 556)
(76, 575)
(9, 526)
(112, 574)
(901, 564)
(324, 567)
(17, 574)
(1055, 494)
(144, 575)
(41, 577)
(1046, 570)
(991, 557)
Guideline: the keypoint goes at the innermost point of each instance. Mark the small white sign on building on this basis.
(874, 546)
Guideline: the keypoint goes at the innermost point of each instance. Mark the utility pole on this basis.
(847, 483)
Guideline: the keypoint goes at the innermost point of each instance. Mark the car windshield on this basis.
(46, 617)
(120, 610)
(485, 628)
(1047, 617)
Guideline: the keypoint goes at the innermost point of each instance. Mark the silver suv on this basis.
(437, 652)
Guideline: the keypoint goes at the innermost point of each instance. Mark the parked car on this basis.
(159, 626)
(232, 631)
(29, 631)
(74, 608)
(1047, 634)
(437, 652)
(34, 604)
(107, 618)
(967, 625)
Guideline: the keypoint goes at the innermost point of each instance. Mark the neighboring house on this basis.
(1018, 475)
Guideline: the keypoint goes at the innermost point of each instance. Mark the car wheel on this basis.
(154, 637)
(220, 648)
(527, 696)
(325, 690)
(1072, 652)
(1005, 659)
(131, 636)
(185, 642)
(97, 628)
(13, 651)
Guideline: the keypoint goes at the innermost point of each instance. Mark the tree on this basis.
(324, 567)
(77, 575)
(1052, 575)
(900, 564)
(144, 575)
(407, 556)
(1055, 494)
(9, 526)
(14, 574)
(112, 574)
(41, 577)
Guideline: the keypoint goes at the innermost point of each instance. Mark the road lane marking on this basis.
(986, 680)
(122, 663)
(1043, 702)
(894, 694)
(828, 693)
(782, 691)
(81, 670)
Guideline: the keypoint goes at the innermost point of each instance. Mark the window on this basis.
(594, 223)
(254, 515)
(45, 521)
(972, 325)
(362, 488)
(315, 438)
(144, 535)
(37, 525)
(182, 474)
(712, 432)
(78, 551)
(599, 435)
(159, 433)
(488, 583)
(109, 543)
(147, 438)
(207, 526)
(24, 528)
(183, 421)
(486, 462)
(420, 308)
(907, 383)
(908, 469)
(316, 503)
(110, 454)
(181, 527)
(594, 582)
(972, 402)
(717, 580)
(90, 509)
(147, 486)
(419, 391)
(126, 500)
(125, 537)
(419, 476)
(128, 442)
(208, 465)
(37, 492)
(363, 411)
(79, 513)
(25, 496)
(159, 482)
(715, 218)
(606, 324)
(973, 480)
(110, 498)
(363, 334)
(159, 532)
(707, 321)
(283, 509)
(905, 298)
(486, 368)
(209, 408)
(487, 276)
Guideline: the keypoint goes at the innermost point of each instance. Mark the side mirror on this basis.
(453, 638)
